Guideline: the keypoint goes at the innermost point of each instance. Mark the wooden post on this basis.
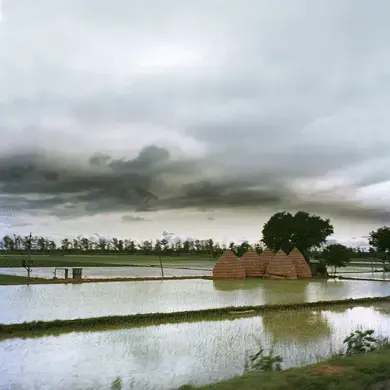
(161, 266)
(29, 257)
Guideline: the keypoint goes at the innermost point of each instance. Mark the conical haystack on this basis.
(252, 263)
(266, 256)
(228, 267)
(303, 269)
(281, 267)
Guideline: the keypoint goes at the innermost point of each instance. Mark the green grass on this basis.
(28, 329)
(358, 372)
(12, 279)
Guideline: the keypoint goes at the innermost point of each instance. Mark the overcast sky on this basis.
(201, 118)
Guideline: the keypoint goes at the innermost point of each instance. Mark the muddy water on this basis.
(49, 302)
(167, 356)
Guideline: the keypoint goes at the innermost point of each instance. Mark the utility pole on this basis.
(161, 266)
(29, 256)
(27, 264)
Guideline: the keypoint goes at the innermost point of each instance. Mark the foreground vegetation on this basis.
(29, 329)
(356, 372)
(364, 364)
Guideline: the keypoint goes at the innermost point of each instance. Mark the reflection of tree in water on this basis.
(296, 325)
(340, 308)
(238, 284)
(285, 291)
(383, 308)
(270, 291)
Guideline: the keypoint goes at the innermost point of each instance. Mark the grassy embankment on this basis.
(12, 279)
(366, 371)
(40, 328)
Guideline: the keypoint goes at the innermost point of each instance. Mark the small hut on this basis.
(281, 267)
(303, 269)
(252, 263)
(228, 267)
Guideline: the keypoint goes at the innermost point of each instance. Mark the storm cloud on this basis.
(135, 108)
(152, 181)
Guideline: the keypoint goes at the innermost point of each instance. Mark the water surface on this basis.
(67, 301)
(367, 275)
(110, 272)
(167, 356)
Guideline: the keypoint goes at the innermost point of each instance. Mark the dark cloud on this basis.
(152, 180)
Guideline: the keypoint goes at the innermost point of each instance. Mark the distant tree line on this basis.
(101, 245)
(285, 231)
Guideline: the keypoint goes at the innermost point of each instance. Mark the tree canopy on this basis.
(302, 230)
(336, 255)
(380, 240)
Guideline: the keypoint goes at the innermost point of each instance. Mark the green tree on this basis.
(302, 230)
(336, 255)
(102, 244)
(380, 240)
(84, 244)
(41, 243)
(9, 244)
(65, 244)
(242, 248)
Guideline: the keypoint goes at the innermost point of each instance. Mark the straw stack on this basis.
(266, 256)
(252, 263)
(228, 267)
(303, 269)
(281, 267)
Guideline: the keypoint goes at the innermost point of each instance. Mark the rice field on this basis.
(167, 356)
(109, 272)
(366, 275)
(49, 302)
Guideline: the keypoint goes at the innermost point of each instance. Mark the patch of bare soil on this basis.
(331, 370)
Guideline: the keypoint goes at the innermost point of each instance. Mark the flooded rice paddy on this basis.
(168, 356)
(366, 275)
(67, 301)
(111, 272)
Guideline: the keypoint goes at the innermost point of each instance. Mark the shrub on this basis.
(261, 362)
(359, 342)
(117, 384)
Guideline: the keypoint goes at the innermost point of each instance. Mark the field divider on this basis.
(37, 328)
(364, 279)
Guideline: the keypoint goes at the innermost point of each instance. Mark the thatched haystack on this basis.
(252, 263)
(281, 267)
(228, 267)
(303, 269)
(266, 256)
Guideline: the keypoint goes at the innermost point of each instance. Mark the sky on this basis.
(201, 118)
